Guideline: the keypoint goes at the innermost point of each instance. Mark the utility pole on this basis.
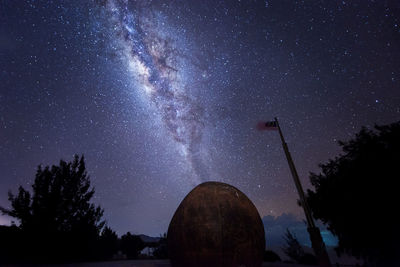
(315, 235)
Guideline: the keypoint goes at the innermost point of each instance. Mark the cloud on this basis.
(6, 220)
(275, 228)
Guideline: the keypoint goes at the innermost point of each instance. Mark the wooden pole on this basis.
(315, 235)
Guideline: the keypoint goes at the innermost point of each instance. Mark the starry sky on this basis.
(163, 95)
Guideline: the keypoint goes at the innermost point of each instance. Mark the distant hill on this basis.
(149, 239)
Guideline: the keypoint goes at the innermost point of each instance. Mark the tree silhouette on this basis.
(108, 243)
(131, 245)
(57, 221)
(356, 195)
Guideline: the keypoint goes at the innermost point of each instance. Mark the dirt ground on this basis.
(141, 263)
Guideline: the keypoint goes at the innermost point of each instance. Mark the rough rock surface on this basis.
(216, 225)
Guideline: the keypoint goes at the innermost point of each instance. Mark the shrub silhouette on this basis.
(131, 245)
(270, 256)
(356, 195)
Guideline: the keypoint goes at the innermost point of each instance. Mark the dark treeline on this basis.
(58, 223)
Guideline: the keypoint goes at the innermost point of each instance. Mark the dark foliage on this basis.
(356, 195)
(9, 242)
(293, 249)
(131, 245)
(57, 221)
(108, 244)
(270, 256)
(308, 259)
(161, 250)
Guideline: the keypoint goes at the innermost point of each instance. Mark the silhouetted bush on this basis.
(131, 245)
(270, 256)
(108, 244)
(161, 251)
(308, 259)
(296, 252)
(356, 195)
(10, 243)
(293, 249)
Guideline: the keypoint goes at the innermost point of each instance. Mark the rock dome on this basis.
(216, 225)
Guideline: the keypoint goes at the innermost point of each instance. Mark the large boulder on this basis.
(216, 225)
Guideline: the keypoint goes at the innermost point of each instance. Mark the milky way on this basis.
(155, 64)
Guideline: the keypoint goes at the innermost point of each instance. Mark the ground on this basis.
(142, 263)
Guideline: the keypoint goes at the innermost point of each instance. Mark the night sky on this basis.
(163, 95)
